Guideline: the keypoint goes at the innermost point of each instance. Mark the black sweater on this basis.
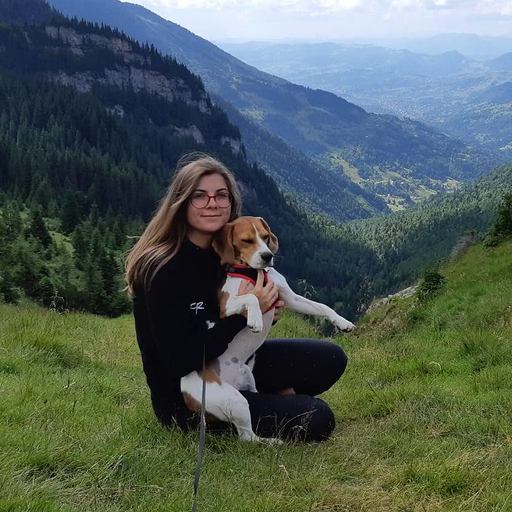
(171, 326)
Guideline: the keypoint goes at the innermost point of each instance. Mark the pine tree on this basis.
(38, 229)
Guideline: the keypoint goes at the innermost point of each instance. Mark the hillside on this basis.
(295, 173)
(464, 97)
(92, 126)
(341, 199)
(423, 414)
(400, 160)
(408, 242)
(26, 11)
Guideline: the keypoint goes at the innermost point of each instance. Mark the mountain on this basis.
(471, 45)
(407, 242)
(298, 174)
(447, 91)
(292, 59)
(91, 124)
(501, 63)
(400, 160)
(26, 11)
(340, 198)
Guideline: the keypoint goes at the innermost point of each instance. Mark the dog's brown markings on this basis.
(191, 403)
(195, 406)
(235, 243)
(244, 229)
(211, 372)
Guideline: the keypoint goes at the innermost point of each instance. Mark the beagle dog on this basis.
(248, 246)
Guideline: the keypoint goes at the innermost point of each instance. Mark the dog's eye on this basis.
(247, 240)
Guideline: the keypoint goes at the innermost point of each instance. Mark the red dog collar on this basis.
(249, 274)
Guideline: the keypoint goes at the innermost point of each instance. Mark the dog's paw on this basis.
(255, 326)
(272, 441)
(255, 321)
(343, 325)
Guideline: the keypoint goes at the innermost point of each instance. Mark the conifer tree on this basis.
(38, 229)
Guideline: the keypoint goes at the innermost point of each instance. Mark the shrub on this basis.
(430, 285)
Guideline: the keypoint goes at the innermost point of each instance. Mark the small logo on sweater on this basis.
(197, 306)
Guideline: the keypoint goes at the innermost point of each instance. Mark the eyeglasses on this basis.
(201, 199)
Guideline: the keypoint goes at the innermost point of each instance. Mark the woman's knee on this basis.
(329, 354)
(339, 358)
(317, 425)
(330, 365)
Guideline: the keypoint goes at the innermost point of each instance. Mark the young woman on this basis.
(173, 275)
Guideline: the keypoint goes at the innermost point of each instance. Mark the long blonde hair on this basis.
(166, 231)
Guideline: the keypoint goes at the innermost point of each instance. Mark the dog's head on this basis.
(247, 241)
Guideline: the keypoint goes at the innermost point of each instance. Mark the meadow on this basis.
(424, 414)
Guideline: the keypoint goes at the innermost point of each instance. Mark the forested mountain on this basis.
(466, 98)
(408, 242)
(91, 125)
(26, 11)
(398, 159)
(295, 173)
(340, 198)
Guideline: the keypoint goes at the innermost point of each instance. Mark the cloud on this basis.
(282, 5)
(503, 7)
(465, 7)
(333, 19)
(429, 4)
(337, 4)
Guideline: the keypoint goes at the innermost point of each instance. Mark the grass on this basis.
(424, 415)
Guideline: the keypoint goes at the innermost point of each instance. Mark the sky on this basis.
(323, 20)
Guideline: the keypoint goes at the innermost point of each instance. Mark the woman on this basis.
(173, 275)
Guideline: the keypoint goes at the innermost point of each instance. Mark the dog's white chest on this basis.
(233, 368)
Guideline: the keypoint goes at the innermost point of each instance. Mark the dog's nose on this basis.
(267, 257)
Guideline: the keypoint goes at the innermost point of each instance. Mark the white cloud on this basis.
(430, 4)
(333, 19)
(319, 6)
(465, 6)
(503, 7)
(338, 4)
(292, 5)
(189, 4)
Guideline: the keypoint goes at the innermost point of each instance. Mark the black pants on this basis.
(310, 367)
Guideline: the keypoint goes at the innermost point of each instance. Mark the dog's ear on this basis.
(274, 243)
(223, 244)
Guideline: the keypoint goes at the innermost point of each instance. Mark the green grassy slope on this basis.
(423, 411)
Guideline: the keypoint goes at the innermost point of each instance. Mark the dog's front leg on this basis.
(238, 304)
(305, 306)
(309, 307)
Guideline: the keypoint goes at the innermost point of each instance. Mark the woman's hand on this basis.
(278, 311)
(266, 294)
